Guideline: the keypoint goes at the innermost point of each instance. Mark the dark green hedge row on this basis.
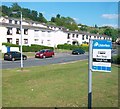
(31, 48)
(10, 45)
(34, 48)
(116, 59)
(72, 47)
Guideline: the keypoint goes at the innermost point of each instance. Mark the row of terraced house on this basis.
(41, 33)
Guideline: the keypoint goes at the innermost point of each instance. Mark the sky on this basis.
(88, 13)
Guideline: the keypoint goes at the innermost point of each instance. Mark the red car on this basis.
(44, 53)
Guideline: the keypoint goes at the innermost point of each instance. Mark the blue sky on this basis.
(89, 13)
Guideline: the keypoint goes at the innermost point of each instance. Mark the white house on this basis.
(40, 33)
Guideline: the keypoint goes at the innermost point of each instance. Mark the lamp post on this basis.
(21, 37)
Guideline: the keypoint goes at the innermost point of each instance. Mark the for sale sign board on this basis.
(101, 55)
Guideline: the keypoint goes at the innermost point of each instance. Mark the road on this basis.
(58, 58)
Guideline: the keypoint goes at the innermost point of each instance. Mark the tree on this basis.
(33, 15)
(58, 16)
(15, 7)
(96, 26)
(112, 33)
(26, 13)
(5, 10)
(52, 19)
(41, 18)
(94, 31)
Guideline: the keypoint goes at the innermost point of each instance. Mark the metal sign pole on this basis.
(90, 75)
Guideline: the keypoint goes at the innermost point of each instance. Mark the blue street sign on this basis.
(101, 52)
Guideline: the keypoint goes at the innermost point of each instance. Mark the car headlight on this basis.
(41, 54)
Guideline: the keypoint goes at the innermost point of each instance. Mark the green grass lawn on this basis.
(60, 85)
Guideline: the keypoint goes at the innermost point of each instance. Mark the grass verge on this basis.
(60, 85)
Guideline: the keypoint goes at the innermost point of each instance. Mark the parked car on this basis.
(78, 51)
(13, 55)
(44, 53)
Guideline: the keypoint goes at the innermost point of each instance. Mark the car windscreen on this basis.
(41, 51)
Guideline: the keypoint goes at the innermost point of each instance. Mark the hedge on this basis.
(31, 48)
(10, 45)
(71, 47)
(115, 59)
(34, 48)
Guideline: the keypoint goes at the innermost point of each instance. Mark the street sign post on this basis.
(99, 60)
(101, 55)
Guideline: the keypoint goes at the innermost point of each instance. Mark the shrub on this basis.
(31, 48)
(115, 59)
(10, 45)
(71, 47)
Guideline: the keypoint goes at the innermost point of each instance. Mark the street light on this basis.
(15, 12)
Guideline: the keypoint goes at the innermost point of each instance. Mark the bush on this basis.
(71, 47)
(10, 45)
(34, 48)
(31, 48)
(115, 59)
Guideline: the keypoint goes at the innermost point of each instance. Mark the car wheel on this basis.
(13, 59)
(53, 56)
(44, 56)
(24, 58)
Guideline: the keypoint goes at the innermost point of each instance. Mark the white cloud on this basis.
(110, 16)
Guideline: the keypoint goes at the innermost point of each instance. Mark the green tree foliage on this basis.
(5, 10)
(67, 22)
(58, 16)
(52, 19)
(15, 7)
(111, 32)
(94, 31)
(41, 18)
(26, 13)
(33, 15)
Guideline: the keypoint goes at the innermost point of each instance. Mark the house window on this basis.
(82, 37)
(94, 36)
(17, 41)
(68, 42)
(10, 21)
(36, 40)
(41, 41)
(17, 30)
(9, 31)
(36, 30)
(86, 36)
(48, 42)
(48, 31)
(20, 22)
(25, 41)
(15, 22)
(68, 37)
(90, 36)
(9, 40)
(26, 31)
(98, 37)
(76, 35)
(73, 35)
